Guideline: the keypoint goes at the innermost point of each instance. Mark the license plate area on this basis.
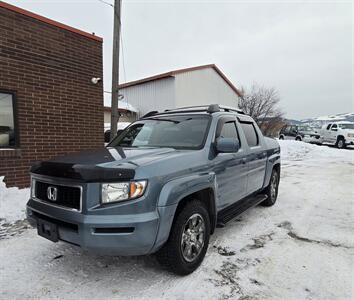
(47, 230)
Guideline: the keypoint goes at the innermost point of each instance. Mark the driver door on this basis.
(230, 168)
(333, 133)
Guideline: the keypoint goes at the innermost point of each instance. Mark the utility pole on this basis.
(115, 68)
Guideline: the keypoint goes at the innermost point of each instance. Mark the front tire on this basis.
(299, 139)
(272, 189)
(340, 143)
(188, 242)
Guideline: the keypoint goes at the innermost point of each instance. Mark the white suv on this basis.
(340, 134)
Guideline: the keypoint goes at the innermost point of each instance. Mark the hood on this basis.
(347, 130)
(106, 164)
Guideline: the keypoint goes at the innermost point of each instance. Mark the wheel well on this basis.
(206, 196)
(277, 168)
(340, 137)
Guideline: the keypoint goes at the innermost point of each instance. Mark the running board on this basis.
(234, 210)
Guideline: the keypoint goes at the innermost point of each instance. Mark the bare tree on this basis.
(262, 104)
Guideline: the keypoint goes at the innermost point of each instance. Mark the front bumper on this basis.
(349, 141)
(133, 234)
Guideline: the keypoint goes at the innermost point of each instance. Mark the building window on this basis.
(8, 136)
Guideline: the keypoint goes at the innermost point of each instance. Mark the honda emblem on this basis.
(52, 193)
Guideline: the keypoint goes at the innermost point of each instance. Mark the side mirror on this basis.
(227, 145)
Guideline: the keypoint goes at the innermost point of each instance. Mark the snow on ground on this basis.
(12, 202)
(301, 248)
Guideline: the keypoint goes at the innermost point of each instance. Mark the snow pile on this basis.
(294, 150)
(12, 202)
(297, 151)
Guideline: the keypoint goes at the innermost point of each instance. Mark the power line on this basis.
(107, 3)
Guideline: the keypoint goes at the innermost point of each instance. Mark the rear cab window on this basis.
(250, 133)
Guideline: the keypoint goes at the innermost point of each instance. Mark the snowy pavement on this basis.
(301, 248)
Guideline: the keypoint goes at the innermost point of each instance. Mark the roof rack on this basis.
(149, 114)
(212, 108)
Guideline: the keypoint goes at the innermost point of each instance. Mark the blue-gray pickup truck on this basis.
(162, 186)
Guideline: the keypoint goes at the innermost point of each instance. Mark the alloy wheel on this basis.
(273, 186)
(192, 241)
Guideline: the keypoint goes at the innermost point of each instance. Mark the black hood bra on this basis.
(84, 166)
(85, 173)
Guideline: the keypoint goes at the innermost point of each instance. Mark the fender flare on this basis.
(272, 161)
(171, 195)
(175, 190)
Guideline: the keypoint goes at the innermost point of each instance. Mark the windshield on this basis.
(179, 132)
(346, 126)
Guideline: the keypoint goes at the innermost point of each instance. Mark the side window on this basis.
(250, 134)
(285, 129)
(335, 127)
(8, 137)
(329, 126)
(293, 129)
(229, 130)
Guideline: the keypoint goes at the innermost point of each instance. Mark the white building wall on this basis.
(154, 95)
(203, 86)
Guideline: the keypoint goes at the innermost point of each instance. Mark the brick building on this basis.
(48, 105)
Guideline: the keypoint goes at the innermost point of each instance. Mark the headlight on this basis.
(33, 188)
(120, 191)
(350, 135)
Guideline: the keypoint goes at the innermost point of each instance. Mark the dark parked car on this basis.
(299, 133)
(161, 186)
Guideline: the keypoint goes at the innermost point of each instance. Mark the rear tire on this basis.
(272, 189)
(299, 139)
(340, 144)
(281, 137)
(187, 244)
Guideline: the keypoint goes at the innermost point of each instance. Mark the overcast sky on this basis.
(302, 48)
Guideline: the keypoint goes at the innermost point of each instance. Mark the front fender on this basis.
(171, 194)
(177, 189)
